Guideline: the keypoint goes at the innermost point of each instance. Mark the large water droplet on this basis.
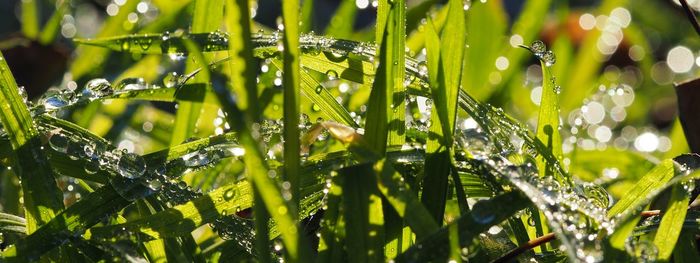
(97, 88)
(58, 142)
(482, 214)
(131, 165)
(171, 79)
(538, 47)
(195, 159)
(54, 102)
(549, 58)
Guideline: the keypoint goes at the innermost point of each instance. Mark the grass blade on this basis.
(386, 98)
(42, 198)
(444, 90)
(342, 22)
(189, 113)
(363, 215)
(30, 18)
(436, 246)
(291, 83)
(242, 73)
(548, 119)
(672, 222)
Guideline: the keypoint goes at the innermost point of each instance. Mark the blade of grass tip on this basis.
(527, 28)
(42, 197)
(548, 118)
(342, 22)
(51, 28)
(385, 121)
(445, 64)
(672, 222)
(189, 113)
(92, 58)
(30, 18)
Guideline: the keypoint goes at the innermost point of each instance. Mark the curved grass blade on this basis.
(672, 222)
(42, 198)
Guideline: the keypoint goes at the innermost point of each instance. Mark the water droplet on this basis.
(126, 45)
(319, 88)
(467, 4)
(97, 88)
(131, 165)
(482, 214)
(538, 47)
(58, 142)
(54, 102)
(315, 107)
(557, 89)
(231, 193)
(171, 79)
(549, 58)
(196, 159)
(332, 75)
(422, 69)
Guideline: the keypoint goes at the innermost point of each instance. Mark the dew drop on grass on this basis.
(422, 69)
(97, 88)
(171, 79)
(481, 213)
(332, 75)
(319, 88)
(58, 142)
(538, 47)
(467, 4)
(230, 194)
(54, 102)
(549, 58)
(131, 165)
(126, 45)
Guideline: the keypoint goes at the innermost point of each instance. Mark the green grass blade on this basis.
(76, 219)
(401, 198)
(30, 18)
(672, 222)
(52, 28)
(383, 124)
(342, 22)
(436, 246)
(654, 179)
(686, 250)
(257, 172)
(548, 121)
(188, 113)
(364, 221)
(291, 83)
(42, 198)
(242, 73)
(445, 82)
(307, 16)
